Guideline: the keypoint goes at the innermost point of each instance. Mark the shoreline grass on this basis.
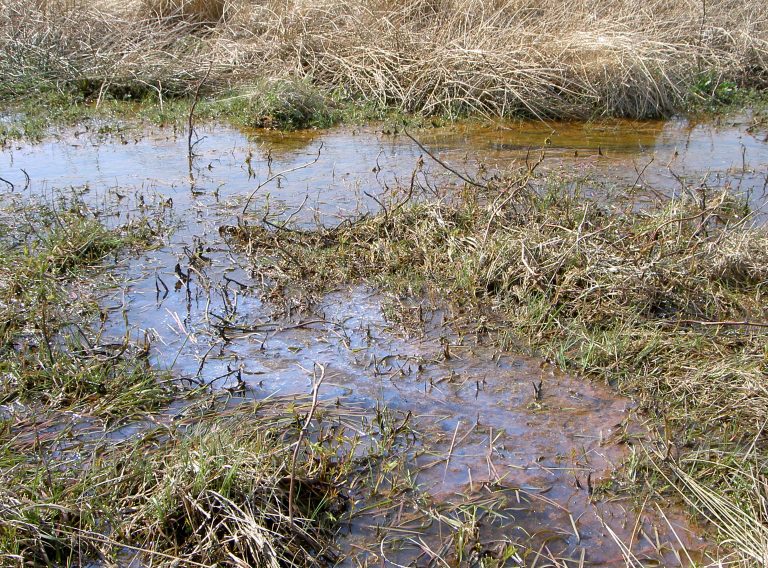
(665, 302)
(285, 105)
(309, 64)
(280, 105)
(275, 105)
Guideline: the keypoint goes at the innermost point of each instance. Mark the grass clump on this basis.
(57, 379)
(214, 490)
(666, 301)
(40, 498)
(47, 358)
(219, 494)
(281, 104)
(113, 386)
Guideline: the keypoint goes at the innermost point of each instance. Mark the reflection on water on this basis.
(486, 432)
(355, 161)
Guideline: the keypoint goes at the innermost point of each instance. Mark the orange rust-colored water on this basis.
(484, 435)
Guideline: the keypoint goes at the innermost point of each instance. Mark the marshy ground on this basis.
(511, 312)
(178, 331)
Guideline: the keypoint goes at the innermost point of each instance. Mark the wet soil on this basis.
(521, 446)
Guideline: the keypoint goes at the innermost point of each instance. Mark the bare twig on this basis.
(316, 382)
(280, 174)
(443, 164)
(191, 116)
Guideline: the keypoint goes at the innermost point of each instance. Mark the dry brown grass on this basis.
(195, 11)
(563, 58)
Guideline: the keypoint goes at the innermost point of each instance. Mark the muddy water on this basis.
(489, 438)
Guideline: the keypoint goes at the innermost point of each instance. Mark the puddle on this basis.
(488, 434)
(489, 438)
(663, 156)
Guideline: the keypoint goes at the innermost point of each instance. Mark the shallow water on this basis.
(486, 436)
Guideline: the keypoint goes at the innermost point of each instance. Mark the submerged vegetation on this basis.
(299, 64)
(246, 487)
(106, 459)
(665, 301)
(47, 357)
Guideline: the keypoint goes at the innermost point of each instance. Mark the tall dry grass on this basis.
(557, 58)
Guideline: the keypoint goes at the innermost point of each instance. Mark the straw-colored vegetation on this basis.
(667, 302)
(565, 58)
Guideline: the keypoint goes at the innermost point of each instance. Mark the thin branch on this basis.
(443, 164)
(316, 382)
(191, 117)
(280, 174)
